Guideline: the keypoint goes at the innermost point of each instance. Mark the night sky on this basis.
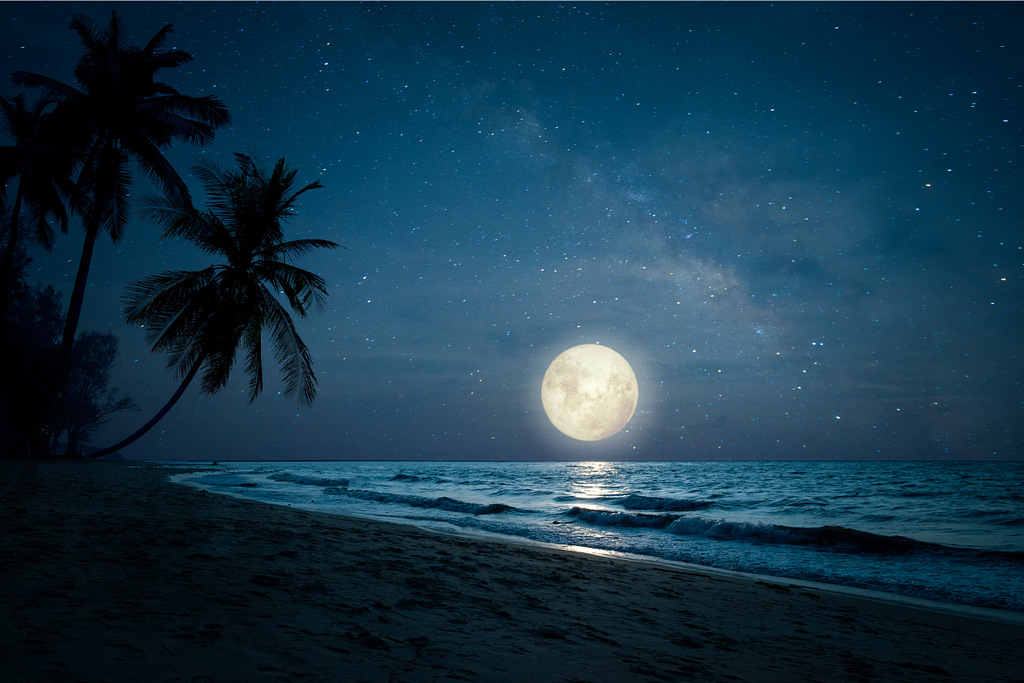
(800, 223)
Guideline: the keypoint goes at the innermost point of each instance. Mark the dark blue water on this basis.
(946, 531)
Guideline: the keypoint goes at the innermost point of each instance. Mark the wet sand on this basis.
(108, 572)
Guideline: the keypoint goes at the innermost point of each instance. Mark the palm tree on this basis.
(201, 317)
(42, 164)
(121, 114)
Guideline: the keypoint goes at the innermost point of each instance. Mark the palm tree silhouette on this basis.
(121, 114)
(43, 166)
(200, 318)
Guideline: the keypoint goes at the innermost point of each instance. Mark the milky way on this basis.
(800, 223)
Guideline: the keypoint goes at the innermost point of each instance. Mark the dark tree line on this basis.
(33, 330)
(75, 149)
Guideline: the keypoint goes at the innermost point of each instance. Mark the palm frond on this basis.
(40, 161)
(112, 34)
(163, 211)
(158, 39)
(155, 165)
(16, 117)
(218, 193)
(45, 202)
(170, 59)
(180, 219)
(218, 369)
(51, 87)
(294, 248)
(299, 286)
(84, 26)
(253, 343)
(206, 109)
(289, 202)
(113, 184)
(175, 127)
(291, 353)
(155, 301)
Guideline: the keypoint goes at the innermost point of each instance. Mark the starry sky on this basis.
(800, 223)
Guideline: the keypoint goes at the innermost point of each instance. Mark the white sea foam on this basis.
(306, 480)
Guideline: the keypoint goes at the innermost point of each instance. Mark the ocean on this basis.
(951, 532)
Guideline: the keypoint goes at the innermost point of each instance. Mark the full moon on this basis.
(589, 392)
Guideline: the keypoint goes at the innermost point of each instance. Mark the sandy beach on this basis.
(108, 572)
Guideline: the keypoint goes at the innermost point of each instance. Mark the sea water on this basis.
(951, 532)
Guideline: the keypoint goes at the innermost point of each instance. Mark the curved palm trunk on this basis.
(77, 295)
(159, 416)
(92, 231)
(67, 342)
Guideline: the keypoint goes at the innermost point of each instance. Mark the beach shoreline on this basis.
(973, 611)
(111, 572)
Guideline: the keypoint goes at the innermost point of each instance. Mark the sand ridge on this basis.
(108, 572)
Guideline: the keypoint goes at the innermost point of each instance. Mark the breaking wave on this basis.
(307, 481)
(638, 502)
(835, 538)
(443, 503)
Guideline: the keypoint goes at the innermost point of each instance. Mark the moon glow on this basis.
(589, 392)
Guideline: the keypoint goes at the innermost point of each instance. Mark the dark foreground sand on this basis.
(110, 573)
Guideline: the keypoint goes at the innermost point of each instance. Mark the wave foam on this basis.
(638, 502)
(307, 481)
(443, 503)
(834, 538)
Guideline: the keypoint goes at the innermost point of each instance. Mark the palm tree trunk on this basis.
(92, 230)
(67, 342)
(77, 296)
(156, 418)
(8, 263)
